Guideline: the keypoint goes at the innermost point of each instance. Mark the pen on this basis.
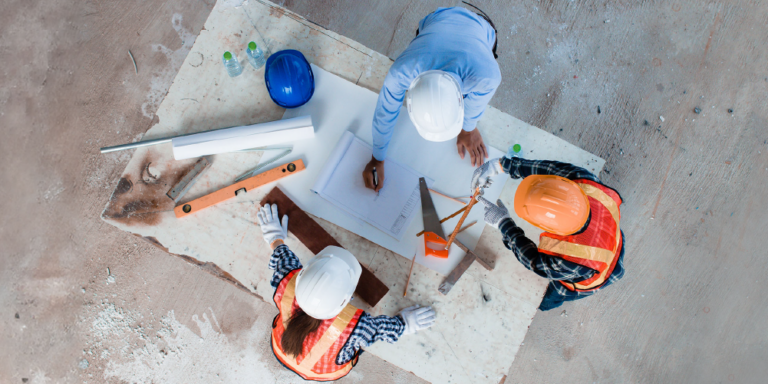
(375, 180)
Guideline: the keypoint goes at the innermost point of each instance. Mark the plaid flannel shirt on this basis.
(368, 330)
(553, 268)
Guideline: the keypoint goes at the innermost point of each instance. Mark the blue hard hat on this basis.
(289, 78)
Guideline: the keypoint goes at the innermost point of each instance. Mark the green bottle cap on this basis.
(516, 148)
(227, 55)
(252, 46)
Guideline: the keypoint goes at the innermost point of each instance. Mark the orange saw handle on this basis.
(440, 251)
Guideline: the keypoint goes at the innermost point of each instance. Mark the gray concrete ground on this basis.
(81, 301)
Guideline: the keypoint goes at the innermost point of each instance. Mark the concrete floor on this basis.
(82, 301)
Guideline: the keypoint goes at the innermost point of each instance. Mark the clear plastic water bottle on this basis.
(255, 55)
(514, 151)
(232, 65)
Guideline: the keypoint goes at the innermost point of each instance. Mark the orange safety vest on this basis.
(318, 357)
(599, 245)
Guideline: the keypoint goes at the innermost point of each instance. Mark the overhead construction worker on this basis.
(317, 333)
(582, 248)
(446, 76)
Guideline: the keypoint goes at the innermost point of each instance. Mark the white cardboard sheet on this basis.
(338, 106)
(243, 137)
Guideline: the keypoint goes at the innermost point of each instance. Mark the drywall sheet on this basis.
(474, 340)
(339, 106)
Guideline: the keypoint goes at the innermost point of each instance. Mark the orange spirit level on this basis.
(246, 185)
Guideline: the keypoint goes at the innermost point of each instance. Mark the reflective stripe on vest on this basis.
(348, 316)
(601, 257)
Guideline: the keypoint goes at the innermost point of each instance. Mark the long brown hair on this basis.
(299, 327)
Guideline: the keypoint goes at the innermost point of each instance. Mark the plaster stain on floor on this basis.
(174, 353)
(159, 82)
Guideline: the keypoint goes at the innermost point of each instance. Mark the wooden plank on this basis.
(480, 260)
(464, 264)
(187, 181)
(314, 237)
(455, 275)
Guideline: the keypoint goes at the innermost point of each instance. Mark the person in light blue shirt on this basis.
(459, 45)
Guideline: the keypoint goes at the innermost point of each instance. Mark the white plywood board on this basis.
(474, 340)
(338, 106)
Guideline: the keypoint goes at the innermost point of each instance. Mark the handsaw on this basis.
(433, 230)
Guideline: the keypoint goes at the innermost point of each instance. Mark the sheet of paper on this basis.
(338, 106)
(391, 210)
(243, 137)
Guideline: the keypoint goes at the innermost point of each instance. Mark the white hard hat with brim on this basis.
(435, 105)
(326, 284)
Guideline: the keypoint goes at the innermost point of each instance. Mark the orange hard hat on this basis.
(552, 203)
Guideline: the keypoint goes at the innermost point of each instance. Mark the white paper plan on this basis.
(341, 183)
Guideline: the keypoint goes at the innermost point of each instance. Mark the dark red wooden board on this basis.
(314, 237)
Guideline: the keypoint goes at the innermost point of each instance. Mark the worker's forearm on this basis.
(518, 168)
(388, 108)
(282, 261)
(475, 103)
(382, 134)
(382, 328)
(515, 240)
(369, 330)
(544, 265)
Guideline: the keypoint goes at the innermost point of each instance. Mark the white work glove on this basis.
(270, 224)
(417, 318)
(494, 213)
(484, 172)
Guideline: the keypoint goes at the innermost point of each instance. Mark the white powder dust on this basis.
(174, 353)
(224, 4)
(160, 82)
(39, 377)
(52, 193)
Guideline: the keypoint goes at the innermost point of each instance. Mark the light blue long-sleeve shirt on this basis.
(454, 40)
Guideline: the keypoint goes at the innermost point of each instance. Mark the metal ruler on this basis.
(286, 152)
(182, 187)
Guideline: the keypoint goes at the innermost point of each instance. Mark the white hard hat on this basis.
(326, 284)
(435, 105)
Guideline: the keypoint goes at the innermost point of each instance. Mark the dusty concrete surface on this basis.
(593, 72)
(82, 301)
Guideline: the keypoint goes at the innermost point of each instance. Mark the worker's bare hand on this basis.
(472, 142)
(368, 174)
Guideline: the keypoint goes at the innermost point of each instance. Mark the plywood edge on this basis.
(209, 267)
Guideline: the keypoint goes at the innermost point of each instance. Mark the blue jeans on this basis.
(552, 299)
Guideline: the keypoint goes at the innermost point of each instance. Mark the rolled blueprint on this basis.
(244, 137)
